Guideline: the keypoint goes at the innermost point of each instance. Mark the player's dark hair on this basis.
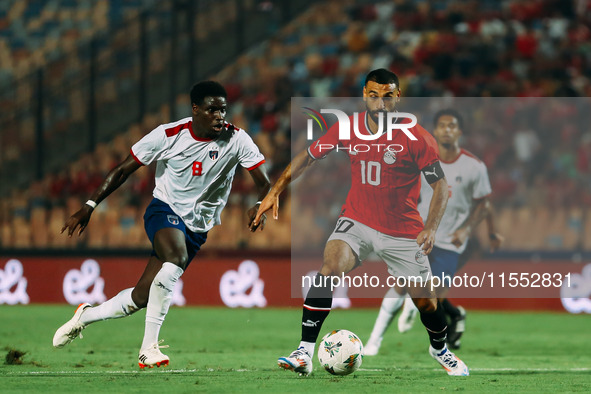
(449, 112)
(205, 89)
(382, 76)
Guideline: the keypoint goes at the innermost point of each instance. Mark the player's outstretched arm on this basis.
(114, 179)
(293, 170)
(480, 210)
(426, 238)
(261, 180)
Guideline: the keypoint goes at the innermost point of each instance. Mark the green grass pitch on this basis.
(235, 350)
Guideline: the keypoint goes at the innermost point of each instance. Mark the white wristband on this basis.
(91, 204)
(258, 202)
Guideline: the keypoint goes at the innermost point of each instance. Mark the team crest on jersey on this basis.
(389, 157)
(172, 219)
(420, 257)
(458, 179)
(214, 153)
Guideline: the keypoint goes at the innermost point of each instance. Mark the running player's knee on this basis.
(330, 268)
(180, 260)
(426, 305)
(177, 257)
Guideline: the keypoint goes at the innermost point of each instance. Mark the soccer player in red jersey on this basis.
(379, 215)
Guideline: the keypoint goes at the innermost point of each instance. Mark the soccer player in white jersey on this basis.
(196, 160)
(468, 204)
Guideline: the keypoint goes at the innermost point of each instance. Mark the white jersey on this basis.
(467, 180)
(194, 175)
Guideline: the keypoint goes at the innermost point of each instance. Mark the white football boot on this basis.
(449, 361)
(152, 355)
(407, 316)
(298, 361)
(71, 329)
(372, 347)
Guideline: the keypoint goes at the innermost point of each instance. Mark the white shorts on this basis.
(403, 256)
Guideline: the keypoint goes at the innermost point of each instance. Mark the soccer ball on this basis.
(340, 352)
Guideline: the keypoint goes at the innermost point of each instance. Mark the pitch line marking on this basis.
(488, 369)
(173, 371)
(99, 372)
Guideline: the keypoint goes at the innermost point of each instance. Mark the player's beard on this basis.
(375, 115)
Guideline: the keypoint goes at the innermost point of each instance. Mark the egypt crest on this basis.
(214, 153)
(389, 157)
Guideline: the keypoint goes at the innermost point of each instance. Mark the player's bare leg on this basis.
(169, 244)
(125, 303)
(433, 319)
(338, 259)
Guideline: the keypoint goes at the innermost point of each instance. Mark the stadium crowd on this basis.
(540, 174)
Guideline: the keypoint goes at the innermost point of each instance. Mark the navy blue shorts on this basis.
(159, 215)
(443, 262)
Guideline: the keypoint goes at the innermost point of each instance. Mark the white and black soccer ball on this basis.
(340, 352)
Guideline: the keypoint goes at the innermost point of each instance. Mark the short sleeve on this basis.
(325, 144)
(249, 155)
(424, 150)
(150, 147)
(482, 186)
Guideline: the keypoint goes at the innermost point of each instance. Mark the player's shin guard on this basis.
(159, 301)
(436, 326)
(316, 308)
(119, 306)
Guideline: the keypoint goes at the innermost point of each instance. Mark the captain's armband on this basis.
(433, 173)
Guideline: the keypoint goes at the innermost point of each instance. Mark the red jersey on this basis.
(385, 176)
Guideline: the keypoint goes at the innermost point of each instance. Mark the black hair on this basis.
(205, 89)
(449, 112)
(383, 77)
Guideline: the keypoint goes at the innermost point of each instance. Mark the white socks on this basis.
(119, 306)
(309, 346)
(391, 303)
(159, 301)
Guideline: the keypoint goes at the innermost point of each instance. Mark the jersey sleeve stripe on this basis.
(135, 158)
(171, 132)
(256, 165)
